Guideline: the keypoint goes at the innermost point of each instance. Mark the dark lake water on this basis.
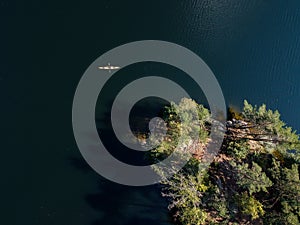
(253, 48)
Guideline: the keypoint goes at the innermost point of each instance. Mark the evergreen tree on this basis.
(253, 180)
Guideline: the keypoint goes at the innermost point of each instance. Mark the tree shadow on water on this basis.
(125, 205)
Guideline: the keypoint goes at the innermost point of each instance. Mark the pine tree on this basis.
(253, 180)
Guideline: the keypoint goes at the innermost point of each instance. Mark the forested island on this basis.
(254, 178)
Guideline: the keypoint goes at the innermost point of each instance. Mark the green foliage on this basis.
(251, 206)
(217, 204)
(185, 188)
(254, 179)
(187, 119)
(286, 190)
(193, 216)
(238, 149)
(185, 192)
(185, 122)
(269, 124)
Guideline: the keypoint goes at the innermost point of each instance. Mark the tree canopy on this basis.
(254, 179)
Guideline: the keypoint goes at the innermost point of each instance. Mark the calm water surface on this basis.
(251, 46)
